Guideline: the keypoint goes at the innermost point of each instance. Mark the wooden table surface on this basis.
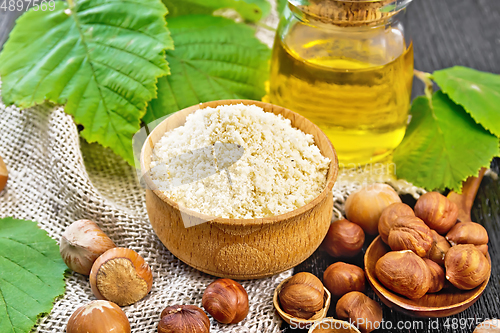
(445, 33)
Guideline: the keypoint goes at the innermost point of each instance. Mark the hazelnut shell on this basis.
(437, 276)
(183, 319)
(4, 174)
(121, 275)
(467, 233)
(410, 233)
(226, 300)
(359, 309)
(389, 216)
(341, 278)
(365, 206)
(466, 266)
(404, 273)
(437, 211)
(98, 317)
(344, 239)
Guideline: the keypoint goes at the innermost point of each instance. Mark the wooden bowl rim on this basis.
(330, 319)
(288, 318)
(332, 172)
(387, 295)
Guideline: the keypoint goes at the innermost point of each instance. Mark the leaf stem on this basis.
(426, 78)
(265, 26)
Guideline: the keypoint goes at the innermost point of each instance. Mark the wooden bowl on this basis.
(330, 325)
(445, 303)
(299, 322)
(241, 248)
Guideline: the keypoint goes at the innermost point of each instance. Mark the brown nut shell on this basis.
(344, 239)
(341, 278)
(437, 276)
(439, 248)
(410, 233)
(302, 296)
(389, 216)
(121, 275)
(360, 310)
(467, 233)
(466, 266)
(82, 243)
(4, 174)
(437, 211)
(365, 206)
(226, 300)
(404, 273)
(98, 317)
(183, 319)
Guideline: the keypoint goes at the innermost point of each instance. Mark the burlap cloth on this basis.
(56, 178)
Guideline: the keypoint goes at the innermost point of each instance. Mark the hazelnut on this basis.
(467, 233)
(344, 239)
(302, 296)
(389, 216)
(364, 207)
(439, 248)
(483, 248)
(341, 278)
(488, 326)
(226, 300)
(98, 317)
(4, 175)
(410, 233)
(121, 275)
(405, 273)
(437, 211)
(466, 267)
(360, 310)
(81, 244)
(183, 319)
(437, 276)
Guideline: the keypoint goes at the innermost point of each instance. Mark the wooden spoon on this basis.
(448, 301)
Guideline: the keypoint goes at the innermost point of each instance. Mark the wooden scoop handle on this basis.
(465, 200)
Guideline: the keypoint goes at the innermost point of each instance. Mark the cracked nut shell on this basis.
(302, 296)
(410, 233)
(183, 319)
(466, 266)
(404, 273)
(226, 300)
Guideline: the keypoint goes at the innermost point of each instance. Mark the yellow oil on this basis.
(361, 101)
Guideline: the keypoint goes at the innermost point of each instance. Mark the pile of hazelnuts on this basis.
(429, 251)
(120, 277)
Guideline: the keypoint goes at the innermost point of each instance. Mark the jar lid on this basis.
(350, 12)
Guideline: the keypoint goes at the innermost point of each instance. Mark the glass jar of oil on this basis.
(348, 67)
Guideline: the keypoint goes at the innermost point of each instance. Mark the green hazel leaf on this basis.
(31, 274)
(281, 6)
(478, 92)
(443, 145)
(250, 10)
(101, 58)
(214, 58)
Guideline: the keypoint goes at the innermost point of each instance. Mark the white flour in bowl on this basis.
(237, 161)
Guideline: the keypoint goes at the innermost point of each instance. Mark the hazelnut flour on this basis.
(237, 161)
